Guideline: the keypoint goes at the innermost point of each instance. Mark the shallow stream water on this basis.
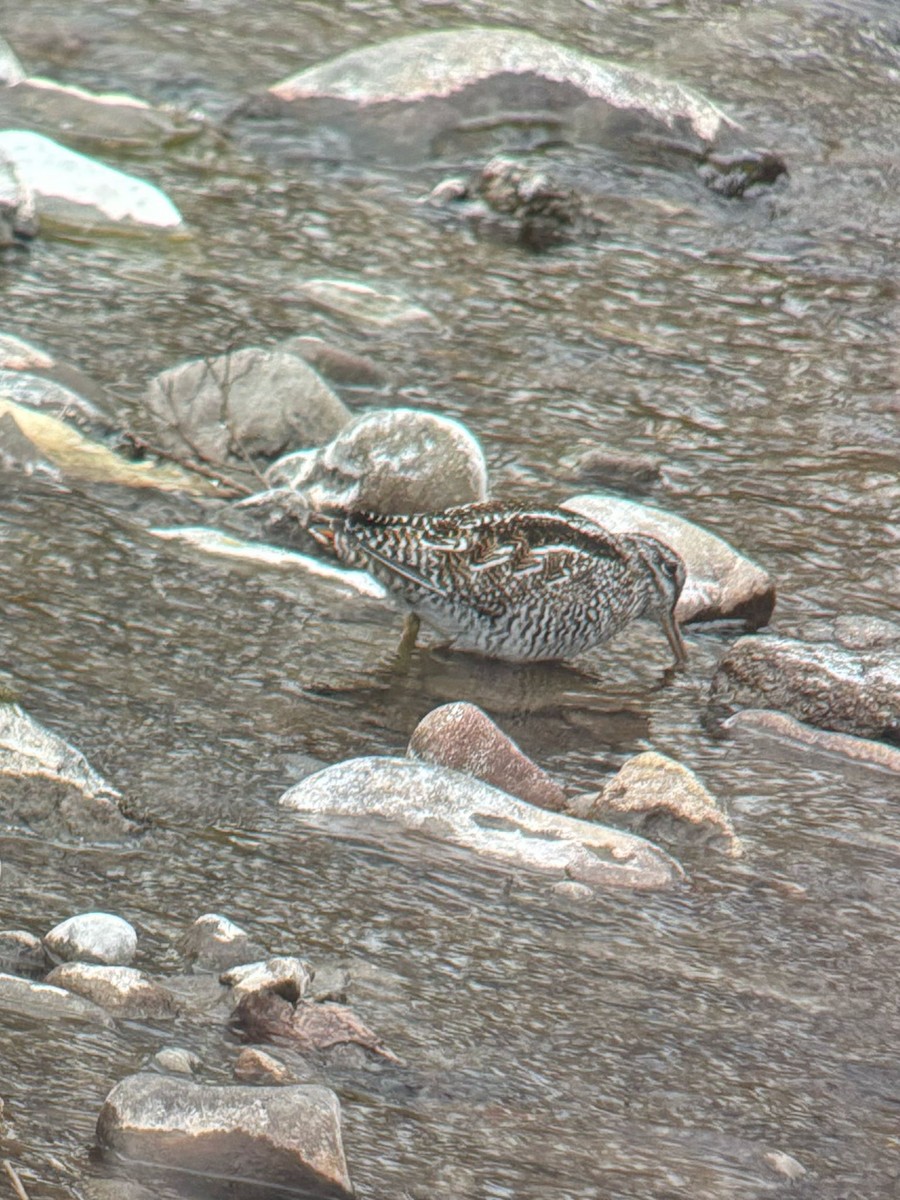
(638, 1046)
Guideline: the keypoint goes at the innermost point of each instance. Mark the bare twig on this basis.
(17, 1185)
(142, 446)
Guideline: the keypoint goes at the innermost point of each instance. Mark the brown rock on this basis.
(255, 1066)
(651, 786)
(264, 1016)
(286, 1137)
(463, 737)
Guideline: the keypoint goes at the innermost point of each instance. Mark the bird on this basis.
(510, 582)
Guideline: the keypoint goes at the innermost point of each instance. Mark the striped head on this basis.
(666, 575)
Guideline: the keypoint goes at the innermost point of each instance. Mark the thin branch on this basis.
(142, 446)
(18, 1186)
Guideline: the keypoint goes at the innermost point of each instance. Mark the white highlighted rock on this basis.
(223, 545)
(459, 809)
(76, 191)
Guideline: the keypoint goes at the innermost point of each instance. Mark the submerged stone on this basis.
(213, 943)
(472, 814)
(363, 303)
(74, 191)
(108, 119)
(42, 1002)
(285, 1137)
(721, 583)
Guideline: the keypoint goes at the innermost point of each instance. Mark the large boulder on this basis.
(721, 583)
(77, 192)
(253, 402)
(284, 1137)
(466, 812)
(411, 94)
(832, 687)
(396, 460)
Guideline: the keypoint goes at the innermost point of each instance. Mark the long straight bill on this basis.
(673, 633)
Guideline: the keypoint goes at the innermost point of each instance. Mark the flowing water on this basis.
(637, 1046)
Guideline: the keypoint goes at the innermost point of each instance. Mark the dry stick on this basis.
(14, 1179)
(198, 468)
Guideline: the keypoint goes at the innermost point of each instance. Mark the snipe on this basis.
(514, 583)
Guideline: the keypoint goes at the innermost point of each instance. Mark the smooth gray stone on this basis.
(453, 807)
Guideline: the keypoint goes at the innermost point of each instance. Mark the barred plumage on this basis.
(515, 583)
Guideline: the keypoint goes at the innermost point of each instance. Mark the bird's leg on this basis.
(411, 625)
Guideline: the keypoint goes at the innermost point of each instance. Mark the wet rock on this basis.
(78, 192)
(46, 395)
(94, 937)
(18, 204)
(83, 396)
(463, 737)
(469, 813)
(49, 784)
(255, 1066)
(427, 85)
(286, 977)
(253, 402)
(122, 991)
(340, 366)
(175, 1060)
(397, 460)
(330, 982)
(650, 793)
(11, 70)
(844, 745)
(42, 1002)
(848, 691)
(222, 545)
(107, 120)
(213, 943)
(21, 953)
(721, 583)
(265, 1017)
(363, 303)
(785, 1165)
(865, 632)
(290, 1135)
